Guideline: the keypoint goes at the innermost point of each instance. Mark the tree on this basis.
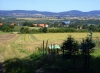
(87, 45)
(93, 28)
(11, 27)
(27, 30)
(25, 24)
(22, 29)
(28, 24)
(5, 28)
(45, 30)
(71, 45)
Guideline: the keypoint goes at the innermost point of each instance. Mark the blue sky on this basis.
(50, 5)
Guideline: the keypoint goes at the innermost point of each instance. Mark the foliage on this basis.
(22, 29)
(23, 59)
(57, 30)
(28, 24)
(45, 30)
(5, 28)
(93, 28)
(71, 45)
(11, 28)
(87, 44)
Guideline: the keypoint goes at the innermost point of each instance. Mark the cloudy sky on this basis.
(50, 5)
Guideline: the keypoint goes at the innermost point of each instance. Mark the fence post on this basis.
(47, 47)
(43, 48)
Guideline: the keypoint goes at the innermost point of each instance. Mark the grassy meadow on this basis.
(20, 53)
(23, 45)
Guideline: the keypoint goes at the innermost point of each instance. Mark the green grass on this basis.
(17, 28)
(51, 64)
(21, 55)
(35, 27)
(1, 32)
(25, 44)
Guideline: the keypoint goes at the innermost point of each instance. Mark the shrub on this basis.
(71, 45)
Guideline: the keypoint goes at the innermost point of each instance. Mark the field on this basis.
(38, 19)
(22, 45)
(17, 28)
(18, 52)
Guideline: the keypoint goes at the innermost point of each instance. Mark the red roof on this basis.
(42, 25)
(0, 23)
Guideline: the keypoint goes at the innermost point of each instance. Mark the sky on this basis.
(50, 5)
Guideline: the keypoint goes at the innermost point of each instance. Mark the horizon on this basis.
(49, 11)
(50, 6)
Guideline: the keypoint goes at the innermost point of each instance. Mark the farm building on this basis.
(46, 25)
(12, 24)
(35, 25)
(66, 23)
(43, 25)
(79, 27)
(1, 23)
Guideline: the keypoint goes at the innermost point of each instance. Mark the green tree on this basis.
(93, 28)
(25, 24)
(11, 28)
(45, 30)
(87, 45)
(71, 45)
(22, 29)
(5, 28)
(27, 30)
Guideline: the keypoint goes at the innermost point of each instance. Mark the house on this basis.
(46, 25)
(12, 24)
(41, 25)
(66, 23)
(1, 23)
(35, 25)
(58, 24)
(79, 27)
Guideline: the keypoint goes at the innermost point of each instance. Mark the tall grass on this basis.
(22, 55)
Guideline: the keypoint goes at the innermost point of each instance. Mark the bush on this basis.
(71, 45)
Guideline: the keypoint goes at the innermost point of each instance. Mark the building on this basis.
(35, 25)
(43, 25)
(12, 24)
(79, 27)
(1, 23)
(46, 25)
(66, 23)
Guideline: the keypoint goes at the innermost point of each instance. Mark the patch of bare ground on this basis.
(6, 37)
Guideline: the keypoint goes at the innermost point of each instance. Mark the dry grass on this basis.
(23, 45)
(38, 19)
(28, 18)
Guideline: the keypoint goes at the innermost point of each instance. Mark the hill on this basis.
(45, 13)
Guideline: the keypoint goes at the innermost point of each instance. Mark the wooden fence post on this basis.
(47, 47)
(43, 48)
